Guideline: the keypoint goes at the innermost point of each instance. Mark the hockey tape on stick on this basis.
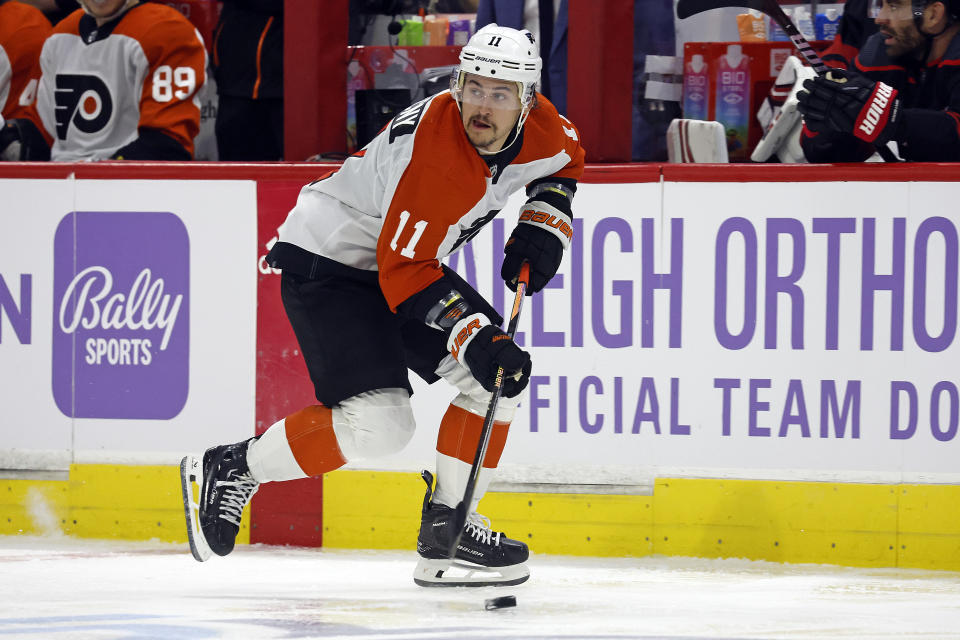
(463, 509)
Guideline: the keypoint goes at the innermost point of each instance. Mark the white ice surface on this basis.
(59, 588)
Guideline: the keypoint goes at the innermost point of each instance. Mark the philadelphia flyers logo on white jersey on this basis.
(84, 101)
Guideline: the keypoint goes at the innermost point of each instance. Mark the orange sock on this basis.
(312, 440)
(460, 433)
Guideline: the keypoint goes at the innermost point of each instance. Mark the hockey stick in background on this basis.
(463, 509)
(687, 8)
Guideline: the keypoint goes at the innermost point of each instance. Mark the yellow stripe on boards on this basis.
(929, 526)
(101, 501)
(372, 509)
(845, 524)
(851, 524)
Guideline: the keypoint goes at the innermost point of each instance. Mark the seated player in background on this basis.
(855, 27)
(54, 10)
(118, 82)
(23, 29)
(368, 299)
(904, 87)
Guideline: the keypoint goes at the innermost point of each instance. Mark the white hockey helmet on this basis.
(506, 54)
(501, 53)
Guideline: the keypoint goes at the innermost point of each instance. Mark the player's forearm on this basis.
(153, 144)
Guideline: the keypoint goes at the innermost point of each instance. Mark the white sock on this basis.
(452, 476)
(270, 458)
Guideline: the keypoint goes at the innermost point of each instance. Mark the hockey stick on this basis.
(463, 509)
(687, 8)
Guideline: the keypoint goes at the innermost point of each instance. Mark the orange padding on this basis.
(460, 433)
(312, 440)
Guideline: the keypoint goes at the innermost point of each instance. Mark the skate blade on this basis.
(190, 475)
(443, 573)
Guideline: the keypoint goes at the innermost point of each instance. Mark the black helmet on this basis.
(953, 8)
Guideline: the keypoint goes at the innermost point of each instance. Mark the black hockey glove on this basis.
(20, 140)
(473, 338)
(849, 102)
(540, 238)
(485, 348)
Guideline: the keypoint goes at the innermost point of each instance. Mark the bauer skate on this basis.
(484, 557)
(225, 486)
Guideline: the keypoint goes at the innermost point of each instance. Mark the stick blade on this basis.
(687, 8)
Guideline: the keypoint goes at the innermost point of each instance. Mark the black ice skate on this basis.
(484, 557)
(226, 486)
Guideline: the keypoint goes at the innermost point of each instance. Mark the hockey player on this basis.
(22, 32)
(368, 298)
(904, 87)
(119, 81)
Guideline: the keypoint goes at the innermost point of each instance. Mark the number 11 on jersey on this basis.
(418, 228)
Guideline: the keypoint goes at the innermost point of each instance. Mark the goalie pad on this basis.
(696, 141)
(779, 116)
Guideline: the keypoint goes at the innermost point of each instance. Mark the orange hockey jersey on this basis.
(103, 86)
(23, 30)
(419, 190)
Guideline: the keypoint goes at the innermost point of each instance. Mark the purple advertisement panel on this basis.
(121, 315)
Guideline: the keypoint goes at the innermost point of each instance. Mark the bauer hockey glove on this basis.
(541, 236)
(849, 102)
(469, 323)
(484, 348)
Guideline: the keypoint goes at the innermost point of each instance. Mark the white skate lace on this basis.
(236, 494)
(478, 527)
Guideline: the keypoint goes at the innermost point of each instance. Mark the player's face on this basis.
(489, 109)
(895, 20)
(103, 8)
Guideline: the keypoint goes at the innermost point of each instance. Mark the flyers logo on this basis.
(82, 100)
(467, 234)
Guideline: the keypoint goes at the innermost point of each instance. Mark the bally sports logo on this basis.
(121, 315)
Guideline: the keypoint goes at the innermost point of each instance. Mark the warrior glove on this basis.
(541, 235)
(849, 102)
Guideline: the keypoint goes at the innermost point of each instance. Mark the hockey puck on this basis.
(499, 603)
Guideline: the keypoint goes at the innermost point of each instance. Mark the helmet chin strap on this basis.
(126, 5)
